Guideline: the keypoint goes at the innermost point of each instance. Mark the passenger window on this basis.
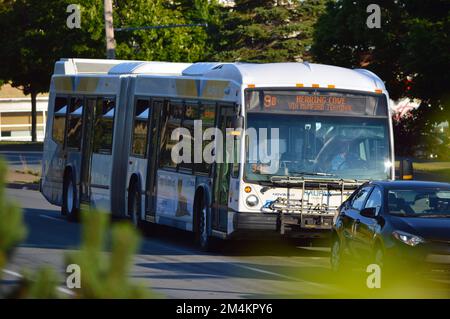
(104, 126)
(375, 200)
(191, 115)
(360, 197)
(59, 119)
(75, 123)
(207, 116)
(172, 122)
(140, 129)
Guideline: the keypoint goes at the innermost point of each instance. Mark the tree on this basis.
(409, 52)
(268, 31)
(185, 44)
(35, 35)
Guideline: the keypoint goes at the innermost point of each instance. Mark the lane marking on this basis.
(51, 217)
(235, 262)
(12, 273)
(60, 289)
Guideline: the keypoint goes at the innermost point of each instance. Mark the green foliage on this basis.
(12, 229)
(103, 275)
(409, 52)
(185, 44)
(268, 31)
(39, 285)
(36, 35)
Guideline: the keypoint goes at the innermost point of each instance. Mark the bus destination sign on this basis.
(314, 102)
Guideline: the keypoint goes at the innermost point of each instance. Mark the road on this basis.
(170, 264)
(23, 160)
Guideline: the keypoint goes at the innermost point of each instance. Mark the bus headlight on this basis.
(252, 200)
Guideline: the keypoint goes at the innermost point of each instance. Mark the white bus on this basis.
(110, 140)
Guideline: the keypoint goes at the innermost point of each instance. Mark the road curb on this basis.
(28, 186)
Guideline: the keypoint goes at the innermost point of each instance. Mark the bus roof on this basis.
(291, 74)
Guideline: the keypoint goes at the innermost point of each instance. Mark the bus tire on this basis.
(134, 207)
(202, 237)
(69, 205)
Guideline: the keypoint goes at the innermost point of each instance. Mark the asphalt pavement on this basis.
(170, 265)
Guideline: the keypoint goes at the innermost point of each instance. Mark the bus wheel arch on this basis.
(69, 205)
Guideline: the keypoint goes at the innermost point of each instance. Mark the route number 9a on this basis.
(270, 101)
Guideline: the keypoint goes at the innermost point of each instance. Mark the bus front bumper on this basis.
(247, 224)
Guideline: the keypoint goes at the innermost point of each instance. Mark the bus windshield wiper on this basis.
(313, 173)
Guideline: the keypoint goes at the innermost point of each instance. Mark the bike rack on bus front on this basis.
(297, 206)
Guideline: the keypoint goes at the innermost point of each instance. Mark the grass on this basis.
(29, 172)
(19, 143)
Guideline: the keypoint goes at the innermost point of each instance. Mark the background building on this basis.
(15, 115)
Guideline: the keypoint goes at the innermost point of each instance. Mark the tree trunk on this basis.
(33, 116)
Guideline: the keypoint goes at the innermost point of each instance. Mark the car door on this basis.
(365, 227)
(352, 218)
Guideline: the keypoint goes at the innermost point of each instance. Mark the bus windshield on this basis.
(316, 146)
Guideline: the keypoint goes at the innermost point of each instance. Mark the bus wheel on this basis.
(134, 210)
(202, 237)
(69, 207)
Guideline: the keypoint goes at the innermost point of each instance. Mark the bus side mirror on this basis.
(406, 169)
(238, 122)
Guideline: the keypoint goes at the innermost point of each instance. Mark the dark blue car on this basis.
(390, 222)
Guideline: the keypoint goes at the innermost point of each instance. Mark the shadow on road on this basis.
(272, 247)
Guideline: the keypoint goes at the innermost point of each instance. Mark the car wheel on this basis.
(69, 199)
(336, 255)
(379, 258)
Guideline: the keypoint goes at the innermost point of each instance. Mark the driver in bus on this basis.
(345, 158)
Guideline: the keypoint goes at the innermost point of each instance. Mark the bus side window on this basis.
(172, 122)
(103, 126)
(207, 116)
(59, 119)
(191, 115)
(140, 128)
(74, 123)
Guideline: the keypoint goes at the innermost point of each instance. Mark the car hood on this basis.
(436, 229)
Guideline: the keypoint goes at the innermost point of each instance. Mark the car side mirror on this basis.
(370, 212)
(406, 169)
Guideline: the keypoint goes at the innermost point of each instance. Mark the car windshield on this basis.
(312, 145)
(422, 202)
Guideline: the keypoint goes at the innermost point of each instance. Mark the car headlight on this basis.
(252, 200)
(407, 238)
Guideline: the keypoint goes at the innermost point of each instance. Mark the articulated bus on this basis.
(114, 126)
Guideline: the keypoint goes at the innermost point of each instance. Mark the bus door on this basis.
(222, 172)
(86, 150)
(153, 138)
